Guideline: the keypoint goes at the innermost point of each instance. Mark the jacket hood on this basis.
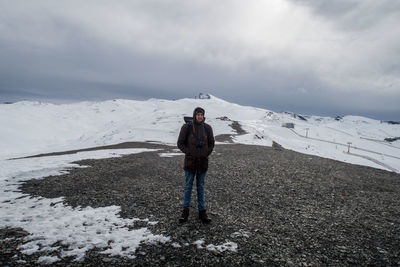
(198, 110)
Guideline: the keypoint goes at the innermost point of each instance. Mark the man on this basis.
(196, 140)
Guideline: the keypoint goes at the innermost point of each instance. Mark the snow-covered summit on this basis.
(31, 127)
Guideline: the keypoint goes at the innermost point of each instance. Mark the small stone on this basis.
(107, 260)
(216, 253)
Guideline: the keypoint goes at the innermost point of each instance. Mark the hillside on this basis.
(34, 128)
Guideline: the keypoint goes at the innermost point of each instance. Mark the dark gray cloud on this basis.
(302, 56)
(354, 14)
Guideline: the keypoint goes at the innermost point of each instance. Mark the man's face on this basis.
(199, 117)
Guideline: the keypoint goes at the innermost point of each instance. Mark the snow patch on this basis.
(49, 221)
(241, 233)
(228, 246)
(199, 243)
(176, 245)
(169, 155)
(48, 260)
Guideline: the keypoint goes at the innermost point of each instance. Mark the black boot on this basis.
(203, 217)
(185, 215)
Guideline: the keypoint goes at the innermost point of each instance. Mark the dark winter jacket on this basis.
(197, 144)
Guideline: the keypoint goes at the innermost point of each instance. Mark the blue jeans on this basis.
(200, 178)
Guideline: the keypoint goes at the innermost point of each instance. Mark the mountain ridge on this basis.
(34, 127)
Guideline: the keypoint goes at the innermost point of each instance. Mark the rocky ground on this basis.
(280, 207)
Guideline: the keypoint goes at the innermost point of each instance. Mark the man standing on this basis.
(196, 140)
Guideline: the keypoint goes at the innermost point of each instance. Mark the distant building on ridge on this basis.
(204, 96)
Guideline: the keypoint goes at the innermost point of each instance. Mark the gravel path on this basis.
(280, 207)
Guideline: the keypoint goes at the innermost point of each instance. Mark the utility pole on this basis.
(307, 132)
(348, 148)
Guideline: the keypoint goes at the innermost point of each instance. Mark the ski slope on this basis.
(34, 127)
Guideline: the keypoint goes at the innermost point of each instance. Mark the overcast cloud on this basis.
(307, 56)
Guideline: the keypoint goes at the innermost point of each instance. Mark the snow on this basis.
(199, 243)
(169, 155)
(241, 233)
(227, 246)
(176, 245)
(29, 128)
(50, 221)
(47, 260)
(36, 127)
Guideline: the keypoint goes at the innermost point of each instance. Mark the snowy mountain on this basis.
(34, 127)
(30, 128)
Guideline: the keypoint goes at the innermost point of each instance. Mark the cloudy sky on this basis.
(333, 57)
